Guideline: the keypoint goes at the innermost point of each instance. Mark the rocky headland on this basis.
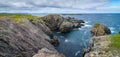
(102, 43)
(24, 35)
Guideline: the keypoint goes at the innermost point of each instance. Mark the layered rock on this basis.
(100, 30)
(22, 40)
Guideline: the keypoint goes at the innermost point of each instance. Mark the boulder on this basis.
(66, 26)
(44, 52)
(100, 30)
(53, 21)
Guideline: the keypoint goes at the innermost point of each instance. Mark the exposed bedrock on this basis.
(23, 40)
(57, 22)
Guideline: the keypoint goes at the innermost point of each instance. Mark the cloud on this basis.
(46, 6)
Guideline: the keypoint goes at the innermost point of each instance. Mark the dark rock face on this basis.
(57, 22)
(22, 40)
(66, 26)
(53, 21)
(100, 30)
(76, 23)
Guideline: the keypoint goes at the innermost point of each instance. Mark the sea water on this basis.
(73, 43)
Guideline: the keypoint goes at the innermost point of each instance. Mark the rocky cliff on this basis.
(23, 35)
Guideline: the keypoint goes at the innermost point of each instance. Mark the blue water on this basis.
(72, 44)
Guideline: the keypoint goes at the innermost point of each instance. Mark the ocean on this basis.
(73, 43)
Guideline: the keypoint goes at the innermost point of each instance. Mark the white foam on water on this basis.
(87, 25)
(112, 29)
(66, 40)
(77, 53)
(87, 22)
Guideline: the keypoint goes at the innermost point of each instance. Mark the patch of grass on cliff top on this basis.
(97, 25)
(19, 18)
(115, 41)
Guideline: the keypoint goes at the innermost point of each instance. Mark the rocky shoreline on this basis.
(100, 44)
(24, 35)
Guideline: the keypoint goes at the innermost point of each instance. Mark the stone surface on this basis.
(100, 47)
(66, 26)
(44, 52)
(53, 21)
(22, 40)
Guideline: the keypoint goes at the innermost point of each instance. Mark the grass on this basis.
(115, 44)
(115, 41)
(97, 25)
(19, 18)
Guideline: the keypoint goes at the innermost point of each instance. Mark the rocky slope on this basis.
(23, 35)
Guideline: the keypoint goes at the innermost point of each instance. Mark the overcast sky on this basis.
(60, 6)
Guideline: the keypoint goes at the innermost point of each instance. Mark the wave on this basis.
(77, 53)
(66, 40)
(112, 29)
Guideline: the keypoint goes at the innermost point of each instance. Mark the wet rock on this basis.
(53, 21)
(22, 40)
(100, 30)
(44, 52)
(66, 26)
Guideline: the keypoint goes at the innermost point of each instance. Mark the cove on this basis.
(72, 43)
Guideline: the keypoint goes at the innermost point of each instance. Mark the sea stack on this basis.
(100, 30)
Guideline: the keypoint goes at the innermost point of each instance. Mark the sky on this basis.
(59, 6)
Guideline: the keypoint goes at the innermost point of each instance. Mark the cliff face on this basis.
(21, 40)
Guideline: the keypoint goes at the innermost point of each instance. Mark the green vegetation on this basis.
(19, 18)
(115, 44)
(115, 41)
(97, 25)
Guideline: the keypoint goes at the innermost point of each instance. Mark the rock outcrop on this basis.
(22, 40)
(53, 21)
(57, 22)
(44, 52)
(66, 26)
(100, 30)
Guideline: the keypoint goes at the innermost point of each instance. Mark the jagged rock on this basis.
(76, 23)
(53, 21)
(44, 52)
(57, 22)
(100, 30)
(66, 26)
(22, 40)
